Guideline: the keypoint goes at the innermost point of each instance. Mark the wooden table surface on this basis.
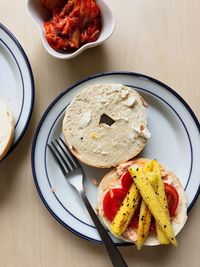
(155, 37)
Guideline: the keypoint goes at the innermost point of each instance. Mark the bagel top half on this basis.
(106, 124)
(113, 180)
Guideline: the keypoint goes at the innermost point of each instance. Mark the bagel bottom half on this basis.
(113, 180)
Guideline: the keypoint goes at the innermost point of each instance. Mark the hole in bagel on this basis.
(106, 120)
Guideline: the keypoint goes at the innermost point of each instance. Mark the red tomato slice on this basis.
(112, 202)
(172, 199)
(126, 181)
(153, 225)
(134, 221)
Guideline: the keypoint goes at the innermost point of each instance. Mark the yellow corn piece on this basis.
(148, 167)
(145, 214)
(163, 201)
(161, 235)
(126, 211)
(149, 196)
(143, 225)
(153, 179)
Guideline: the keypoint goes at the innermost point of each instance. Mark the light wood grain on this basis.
(156, 37)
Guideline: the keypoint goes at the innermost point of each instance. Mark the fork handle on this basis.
(114, 254)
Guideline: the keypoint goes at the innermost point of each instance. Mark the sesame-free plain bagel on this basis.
(106, 124)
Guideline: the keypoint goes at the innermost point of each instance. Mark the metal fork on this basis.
(70, 165)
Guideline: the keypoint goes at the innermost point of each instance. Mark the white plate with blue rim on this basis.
(175, 142)
(16, 82)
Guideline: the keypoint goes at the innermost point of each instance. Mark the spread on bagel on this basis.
(140, 201)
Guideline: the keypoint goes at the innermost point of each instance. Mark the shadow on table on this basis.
(90, 62)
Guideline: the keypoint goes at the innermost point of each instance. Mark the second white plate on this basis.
(16, 82)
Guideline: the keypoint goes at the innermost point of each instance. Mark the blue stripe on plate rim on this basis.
(71, 87)
(19, 47)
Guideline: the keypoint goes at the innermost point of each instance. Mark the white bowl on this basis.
(39, 14)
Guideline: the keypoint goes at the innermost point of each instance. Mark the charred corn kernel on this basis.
(126, 211)
(145, 214)
(163, 201)
(149, 196)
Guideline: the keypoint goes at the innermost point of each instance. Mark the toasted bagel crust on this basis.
(112, 180)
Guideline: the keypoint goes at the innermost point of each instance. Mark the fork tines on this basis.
(64, 158)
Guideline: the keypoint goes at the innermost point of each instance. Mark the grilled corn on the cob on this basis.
(145, 214)
(143, 225)
(126, 211)
(163, 201)
(149, 196)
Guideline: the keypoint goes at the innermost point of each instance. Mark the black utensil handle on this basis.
(113, 252)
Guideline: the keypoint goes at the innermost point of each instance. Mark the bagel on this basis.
(6, 129)
(106, 124)
(113, 180)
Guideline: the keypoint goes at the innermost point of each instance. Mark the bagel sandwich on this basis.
(142, 202)
(106, 124)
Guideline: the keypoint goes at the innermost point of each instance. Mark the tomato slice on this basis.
(135, 219)
(114, 198)
(172, 199)
(112, 202)
(126, 181)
